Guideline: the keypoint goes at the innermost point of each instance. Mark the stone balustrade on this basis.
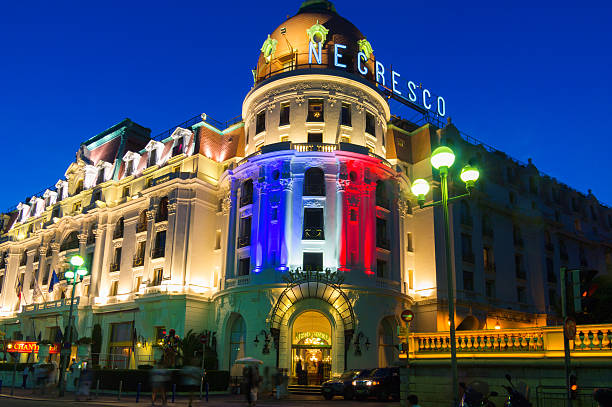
(590, 340)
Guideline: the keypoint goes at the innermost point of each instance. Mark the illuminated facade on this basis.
(290, 231)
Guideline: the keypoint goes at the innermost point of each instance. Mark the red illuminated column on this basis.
(369, 222)
(342, 219)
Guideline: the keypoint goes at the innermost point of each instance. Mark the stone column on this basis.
(95, 273)
(172, 252)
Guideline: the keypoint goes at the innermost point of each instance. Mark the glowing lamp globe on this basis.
(469, 174)
(420, 187)
(82, 271)
(442, 157)
(77, 261)
(69, 274)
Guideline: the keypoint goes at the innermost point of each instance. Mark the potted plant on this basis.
(83, 347)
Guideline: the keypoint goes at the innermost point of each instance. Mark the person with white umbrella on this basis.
(251, 378)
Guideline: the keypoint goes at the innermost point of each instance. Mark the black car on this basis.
(381, 383)
(343, 385)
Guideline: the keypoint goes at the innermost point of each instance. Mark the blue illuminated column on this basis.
(259, 238)
(231, 231)
(284, 210)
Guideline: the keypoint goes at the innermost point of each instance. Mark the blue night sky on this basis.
(529, 78)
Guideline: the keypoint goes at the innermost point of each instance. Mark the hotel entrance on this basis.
(311, 349)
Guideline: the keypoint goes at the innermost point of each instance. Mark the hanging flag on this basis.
(19, 286)
(37, 293)
(54, 280)
(59, 337)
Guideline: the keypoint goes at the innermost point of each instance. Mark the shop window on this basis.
(370, 125)
(260, 122)
(285, 109)
(313, 224)
(313, 261)
(246, 193)
(237, 342)
(314, 182)
(315, 110)
(315, 137)
(345, 115)
(120, 347)
(244, 266)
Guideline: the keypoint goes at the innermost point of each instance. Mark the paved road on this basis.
(219, 401)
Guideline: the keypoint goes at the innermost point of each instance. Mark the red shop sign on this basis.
(29, 347)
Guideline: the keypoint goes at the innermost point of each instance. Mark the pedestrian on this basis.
(191, 377)
(39, 375)
(75, 372)
(320, 371)
(158, 384)
(24, 375)
(603, 397)
(413, 401)
(85, 381)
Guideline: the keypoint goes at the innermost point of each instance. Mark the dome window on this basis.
(317, 33)
(268, 48)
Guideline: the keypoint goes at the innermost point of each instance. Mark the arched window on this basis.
(162, 210)
(314, 182)
(246, 193)
(118, 229)
(237, 339)
(382, 199)
(142, 222)
(387, 352)
(466, 215)
(70, 242)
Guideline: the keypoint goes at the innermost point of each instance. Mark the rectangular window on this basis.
(218, 239)
(381, 234)
(550, 271)
(315, 137)
(518, 264)
(345, 116)
(486, 257)
(411, 279)
(140, 252)
(490, 288)
(466, 247)
(160, 244)
(244, 266)
(244, 237)
(313, 261)
(370, 127)
(76, 207)
(152, 157)
(260, 123)
(137, 282)
(100, 176)
(409, 242)
(274, 214)
(113, 288)
(315, 110)
(129, 168)
(158, 276)
(284, 114)
(216, 279)
(126, 192)
(381, 269)
(353, 215)
(552, 296)
(45, 280)
(121, 332)
(178, 146)
(468, 280)
(521, 294)
(313, 224)
(116, 259)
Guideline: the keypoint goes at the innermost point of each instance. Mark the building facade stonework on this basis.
(291, 232)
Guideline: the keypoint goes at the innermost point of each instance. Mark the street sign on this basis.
(203, 338)
(569, 328)
(407, 316)
(401, 331)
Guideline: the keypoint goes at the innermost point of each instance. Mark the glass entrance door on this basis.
(311, 349)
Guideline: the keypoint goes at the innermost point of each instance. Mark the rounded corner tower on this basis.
(313, 266)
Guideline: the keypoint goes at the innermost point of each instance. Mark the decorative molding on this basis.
(172, 208)
(82, 238)
(159, 227)
(353, 199)
(271, 107)
(314, 202)
(55, 247)
(359, 107)
(404, 207)
(150, 215)
(299, 99)
(331, 100)
(342, 184)
(226, 205)
(117, 243)
(286, 184)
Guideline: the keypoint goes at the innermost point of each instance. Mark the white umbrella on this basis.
(248, 361)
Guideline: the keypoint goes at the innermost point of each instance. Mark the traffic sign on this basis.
(203, 338)
(407, 316)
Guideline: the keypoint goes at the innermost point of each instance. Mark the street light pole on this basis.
(449, 281)
(442, 158)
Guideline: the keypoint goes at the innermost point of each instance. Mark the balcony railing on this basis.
(51, 305)
(387, 284)
(141, 227)
(244, 241)
(239, 281)
(544, 342)
(138, 261)
(114, 267)
(314, 190)
(313, 234)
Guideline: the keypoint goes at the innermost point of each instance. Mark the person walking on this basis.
(159, 377)
(24, 376)
(85, 380)
(191, 376)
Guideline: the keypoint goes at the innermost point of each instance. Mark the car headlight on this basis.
(354, 383)
(368, 382)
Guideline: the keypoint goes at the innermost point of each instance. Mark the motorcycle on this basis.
(515, 398)
(476, 395)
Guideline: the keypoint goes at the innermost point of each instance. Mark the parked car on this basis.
(381, 383)
(343, 385)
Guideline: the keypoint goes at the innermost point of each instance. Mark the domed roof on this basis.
(287, 47)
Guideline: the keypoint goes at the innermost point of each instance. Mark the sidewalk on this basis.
(129, 400)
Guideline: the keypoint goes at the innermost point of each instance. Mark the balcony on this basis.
(237, 282)
(114, 267)
(138, 261)
(543, 343)
(158, 252)
(387, 284)
(51, 305)
(244, 241)
(313, 234)
(383, 203)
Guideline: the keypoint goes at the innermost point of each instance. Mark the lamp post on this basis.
(75, 275)
(442, 159)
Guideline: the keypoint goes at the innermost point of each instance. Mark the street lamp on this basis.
(73, 276)
(442, 159)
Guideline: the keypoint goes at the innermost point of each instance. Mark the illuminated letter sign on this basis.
(362, 68)
(312, 50)
(394, 82)
(337, 55)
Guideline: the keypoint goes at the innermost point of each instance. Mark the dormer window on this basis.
(131, 160)
(178, 146)
(152, 158)
(129, 169)
(24, 211)
(101, 177)
(154, 148)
